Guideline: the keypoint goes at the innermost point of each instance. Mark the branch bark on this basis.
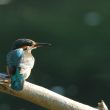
(48, 99)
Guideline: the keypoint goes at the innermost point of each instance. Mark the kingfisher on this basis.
(20, 61)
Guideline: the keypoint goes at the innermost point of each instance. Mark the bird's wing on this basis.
(13, 60)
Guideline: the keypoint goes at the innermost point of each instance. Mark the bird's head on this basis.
(28, 44)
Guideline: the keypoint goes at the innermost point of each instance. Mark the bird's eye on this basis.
(29, 43)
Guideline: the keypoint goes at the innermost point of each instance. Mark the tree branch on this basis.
(48, 99)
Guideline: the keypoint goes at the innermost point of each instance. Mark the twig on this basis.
(102, 105)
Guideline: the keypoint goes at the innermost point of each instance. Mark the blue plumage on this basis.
(13, 61)
(14, 57)
(17, 81)
(20, 61)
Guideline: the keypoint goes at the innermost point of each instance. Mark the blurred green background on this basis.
(78, 64)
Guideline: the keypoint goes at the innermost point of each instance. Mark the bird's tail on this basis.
(17, 81)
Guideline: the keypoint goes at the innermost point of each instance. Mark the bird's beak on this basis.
(38, 44)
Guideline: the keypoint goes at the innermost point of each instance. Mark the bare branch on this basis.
(47, 99)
